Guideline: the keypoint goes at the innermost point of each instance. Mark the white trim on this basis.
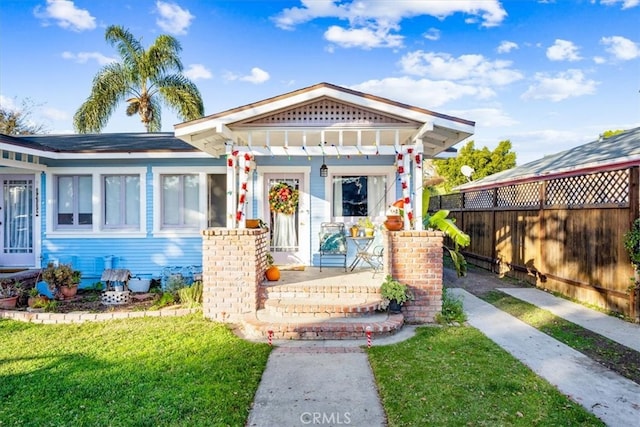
(97, 198)
(202, 173)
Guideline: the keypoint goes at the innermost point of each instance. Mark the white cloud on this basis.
(432, 34)
(507, 46)
(55, 114)
(84, 57)
(563, 50)
(173, 19)
(365, 38)
(599, 60)
(487, 117)
(66, 15)
(626, 4)
(8, 103)
(197, 72)
(621, 48)
(422, 92)
(372, 23)
(567, 84)
(257, 76)
(469, 69)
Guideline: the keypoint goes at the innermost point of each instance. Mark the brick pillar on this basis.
(415, 258)
(233, 267)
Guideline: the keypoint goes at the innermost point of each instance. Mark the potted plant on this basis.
(36, 300)
(394, 294)
(273, 272)
(368, 226)
(10, 291)
(62, 280)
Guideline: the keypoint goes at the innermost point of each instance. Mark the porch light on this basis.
(324, 170)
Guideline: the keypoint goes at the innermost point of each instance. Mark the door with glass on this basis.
(16, 214)
(286, 214)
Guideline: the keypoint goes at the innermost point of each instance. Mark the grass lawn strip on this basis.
(615, 356)
(154, 371)
(457, 376)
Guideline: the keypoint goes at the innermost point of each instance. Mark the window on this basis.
(359, 195)
(180, 201)
(74, 208)
(121, 201)
(217, 209)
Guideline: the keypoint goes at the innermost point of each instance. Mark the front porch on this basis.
(314, 304)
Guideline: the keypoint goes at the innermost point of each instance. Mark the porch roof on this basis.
(325, 119)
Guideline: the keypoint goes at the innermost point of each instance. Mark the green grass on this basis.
(450, 376)
(176, 371)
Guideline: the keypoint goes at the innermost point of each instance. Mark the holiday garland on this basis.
(283, 198)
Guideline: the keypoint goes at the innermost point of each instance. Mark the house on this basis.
(141, 200)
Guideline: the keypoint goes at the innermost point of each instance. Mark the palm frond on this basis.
(181, 95)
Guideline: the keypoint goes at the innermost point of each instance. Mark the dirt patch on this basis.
(90, 301)
(479, 282)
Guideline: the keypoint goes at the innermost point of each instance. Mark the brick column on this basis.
(233, 267)
(415, 258)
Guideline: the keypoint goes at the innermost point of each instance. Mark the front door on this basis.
(287, 214)
(17, 218)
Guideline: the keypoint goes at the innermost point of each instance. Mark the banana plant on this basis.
(440, 221)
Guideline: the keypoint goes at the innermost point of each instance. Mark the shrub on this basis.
(452, 310)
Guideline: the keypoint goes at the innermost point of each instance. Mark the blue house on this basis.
(141, 200)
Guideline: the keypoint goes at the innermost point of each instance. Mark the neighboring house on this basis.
(140, 201)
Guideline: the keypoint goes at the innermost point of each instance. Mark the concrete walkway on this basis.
(331, 382)
(620, 331)
(611, 397)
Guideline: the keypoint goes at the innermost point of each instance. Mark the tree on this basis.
(483, 162)
(17, 121)
(143, 79)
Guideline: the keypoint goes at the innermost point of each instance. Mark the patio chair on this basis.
(333, 242)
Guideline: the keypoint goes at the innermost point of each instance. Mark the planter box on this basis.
(8, 303)
(139, 285)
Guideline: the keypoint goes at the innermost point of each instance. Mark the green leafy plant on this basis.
(452, 310)
(166, 299)
(191, 296)
(366, 223)
(632, 244)
(11, 288)
(175, 283)
(391, 289)
(58, 276)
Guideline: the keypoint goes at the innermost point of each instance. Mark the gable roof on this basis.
(325, 115)
(616, 152)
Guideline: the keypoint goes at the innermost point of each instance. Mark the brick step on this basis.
(318, 291)
(257, 326)
(322, 308)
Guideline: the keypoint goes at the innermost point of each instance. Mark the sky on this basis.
(546, 75)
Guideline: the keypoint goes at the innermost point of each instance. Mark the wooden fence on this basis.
(564, 234)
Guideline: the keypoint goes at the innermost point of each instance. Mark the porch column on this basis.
(415, 259)
(233, 267)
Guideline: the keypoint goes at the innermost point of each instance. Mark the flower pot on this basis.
(394, 223)
(137, 284)
(8, 303)
(354, 231)
(69, 292)
(368, 232)
(395, 307)
(273, 273)
(41, 299)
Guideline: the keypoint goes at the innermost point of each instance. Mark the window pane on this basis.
(85, 206)
(171, 200)
(112, 196)
(132, 203)
(217, 211)
(191, 200)
(354, 195)
(65, 195)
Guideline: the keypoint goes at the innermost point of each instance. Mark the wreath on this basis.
(283, 198)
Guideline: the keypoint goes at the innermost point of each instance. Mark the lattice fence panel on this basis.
(481, 199)
(522, 195)
(451, 201)
(604, 188)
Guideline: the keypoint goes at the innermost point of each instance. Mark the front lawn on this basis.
(456, 376)
(172, 371)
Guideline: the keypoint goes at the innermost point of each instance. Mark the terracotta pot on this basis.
(8, 303)
(394, 223)
(69, 291)
(273, 273)
(33, 300)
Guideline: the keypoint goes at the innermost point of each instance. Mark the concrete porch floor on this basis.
(328, 275)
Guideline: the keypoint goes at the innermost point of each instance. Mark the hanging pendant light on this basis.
(324, 170)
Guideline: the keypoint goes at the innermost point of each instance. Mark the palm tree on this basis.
(143, 78)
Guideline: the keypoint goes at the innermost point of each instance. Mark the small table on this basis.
(362, 247)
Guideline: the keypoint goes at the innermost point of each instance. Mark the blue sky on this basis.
(546, 75)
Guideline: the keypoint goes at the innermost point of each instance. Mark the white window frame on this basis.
(388, 171)
(103, 198)
(201, 172)
(97, 229)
